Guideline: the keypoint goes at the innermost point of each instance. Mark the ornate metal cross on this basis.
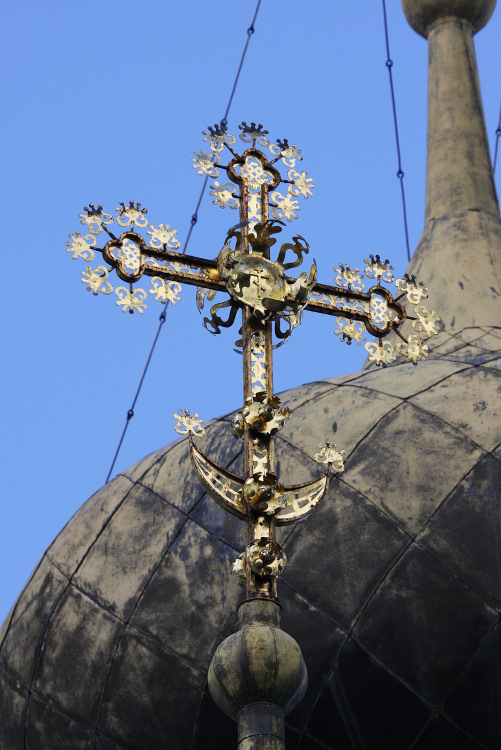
(271, 303)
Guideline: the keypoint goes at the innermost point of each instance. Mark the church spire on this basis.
(460, 250)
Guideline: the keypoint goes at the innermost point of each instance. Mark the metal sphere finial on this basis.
(258, 674)
(421, 14)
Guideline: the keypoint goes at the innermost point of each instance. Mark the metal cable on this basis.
(498, 135)
(400, 173)
(193, 221)
(250, 32)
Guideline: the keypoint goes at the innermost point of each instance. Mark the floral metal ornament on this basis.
(95, 279)
(329, 454)
(81, 247)
(165, 291)
(187, 424)
(253, 270)
(132, 215)
(131, 299)
(253, 173)
(413, 349)
(95, 218)
(346, 277)
(381, 354)
(264, 494)
(129, 254)
(414, 290)
(350, 330)
(262, 414)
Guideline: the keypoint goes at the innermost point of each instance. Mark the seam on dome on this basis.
(456, 575)
(486, 331)
(466, 366)
(315, 397)
(492, 369)
(37, 661)
(473, 344)
(97, 601)
(320, 396)
(385, 578)
(382, 511)
(468, 661)
(371, 429)
(14, 607)
(28, 687)
(125, 624)
(350, 636)
(331, 671)
(461, 731)
(56, 708)
(453, 427)
(92, 543)
(152, 638)
(162, 499)
(422, 731)
(13, 677)
(168, 448)
(213, 534)
(345, 480)
(453, 356)
(101, 530)
(287, 582)
(56, 565)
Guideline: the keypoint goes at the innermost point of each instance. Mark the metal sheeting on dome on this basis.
(392, 590)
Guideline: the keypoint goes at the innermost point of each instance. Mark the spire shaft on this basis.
(459, 171)
(459, 252)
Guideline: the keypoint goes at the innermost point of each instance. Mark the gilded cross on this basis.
(271, 304)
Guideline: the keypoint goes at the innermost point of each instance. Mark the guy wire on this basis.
(400, 172)
(193, 221)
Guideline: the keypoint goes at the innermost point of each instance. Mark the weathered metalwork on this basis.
(187, 424)
(271, 303)
(329, 454)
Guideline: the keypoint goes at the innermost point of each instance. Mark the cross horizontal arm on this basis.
(172, 266)
(348, 303)
(204, 273)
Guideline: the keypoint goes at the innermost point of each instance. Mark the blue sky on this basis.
(105, 102)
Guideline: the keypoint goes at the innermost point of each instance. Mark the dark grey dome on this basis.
(393, 590)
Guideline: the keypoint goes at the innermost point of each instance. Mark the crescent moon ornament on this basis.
(223, 486)
(227, 489)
